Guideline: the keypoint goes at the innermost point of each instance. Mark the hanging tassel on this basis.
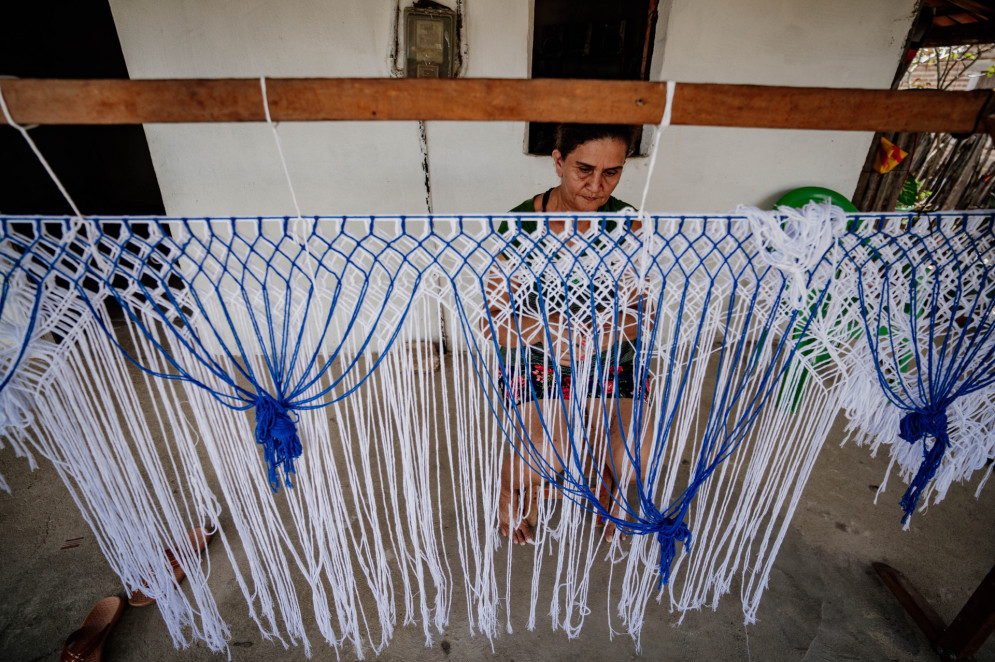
(277, 434)
(915, 426)
(669, 532)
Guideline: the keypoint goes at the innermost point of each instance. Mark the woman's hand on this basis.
(510, 325)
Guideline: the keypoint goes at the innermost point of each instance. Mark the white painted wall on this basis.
(375, 167)
(844, 43)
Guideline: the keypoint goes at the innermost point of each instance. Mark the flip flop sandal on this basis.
(87, 643)
(198, 540)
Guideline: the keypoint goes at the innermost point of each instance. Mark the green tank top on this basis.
(613, 205)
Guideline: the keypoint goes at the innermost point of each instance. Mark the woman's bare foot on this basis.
(611, 530)
(508, 511)
(612, 505)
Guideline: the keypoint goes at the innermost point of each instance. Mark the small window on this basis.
(589, 39)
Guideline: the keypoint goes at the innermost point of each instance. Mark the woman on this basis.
(589, 159)
(537, 357)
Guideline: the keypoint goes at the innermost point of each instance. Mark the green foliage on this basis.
(940, 67)
(913, 194)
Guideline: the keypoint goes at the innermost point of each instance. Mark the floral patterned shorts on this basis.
(530, 377)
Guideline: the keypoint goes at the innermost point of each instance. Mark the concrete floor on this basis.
(824, 602)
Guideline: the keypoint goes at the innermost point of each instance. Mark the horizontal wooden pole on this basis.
(52, 101)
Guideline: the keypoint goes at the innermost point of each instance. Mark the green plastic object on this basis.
(802, 196)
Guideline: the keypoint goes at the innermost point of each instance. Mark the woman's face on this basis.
(590, 173)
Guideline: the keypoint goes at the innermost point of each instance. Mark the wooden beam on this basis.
(52, 101)
(984, 7)
(969, 630)
(974, 624)
(959, 35)
(911, 600)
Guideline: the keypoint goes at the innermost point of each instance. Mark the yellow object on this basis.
(888, 156)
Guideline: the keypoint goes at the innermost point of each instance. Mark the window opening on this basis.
(589, 39)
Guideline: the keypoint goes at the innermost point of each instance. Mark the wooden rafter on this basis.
(50, 101)
(985, 8)
(959, 35)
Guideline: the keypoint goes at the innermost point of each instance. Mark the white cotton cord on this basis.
(777, 474)
(795, 240)
(279, 147)
(34, 148)
(984, 479)
(111, 465)
(56, 314)
(644, 257)
(16, 399)
(664, 123)
(296, 235)
(74, 229)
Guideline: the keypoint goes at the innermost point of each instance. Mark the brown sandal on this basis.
(87, 643)
(198, 540)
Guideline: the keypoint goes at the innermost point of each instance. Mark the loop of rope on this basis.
(795, 240)
(78, 223)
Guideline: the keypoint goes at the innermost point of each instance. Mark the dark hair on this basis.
(571, 136)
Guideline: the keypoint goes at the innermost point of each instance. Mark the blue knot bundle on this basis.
(915, 426)
(926, 290)
(669, 532)
(276, 432)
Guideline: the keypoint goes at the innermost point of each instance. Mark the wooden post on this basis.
(969, 629)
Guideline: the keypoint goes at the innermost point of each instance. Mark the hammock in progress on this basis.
(274, 380)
